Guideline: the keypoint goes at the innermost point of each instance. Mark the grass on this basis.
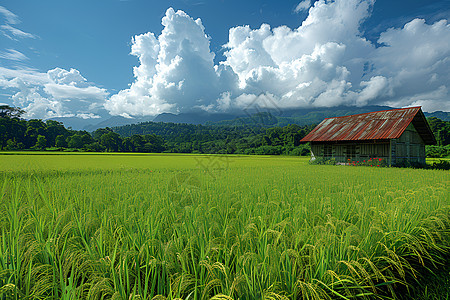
(215, 227)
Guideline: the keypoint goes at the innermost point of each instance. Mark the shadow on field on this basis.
(435, 285)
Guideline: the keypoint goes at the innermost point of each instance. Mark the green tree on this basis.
(441, 130)
(75, 141)
(153, 143)
(53, 130)
(100, 132)
(11, 145)
(137, 142)
(127, 145)
(60, 141)
(3, 133)
(94, 147)
(111, 141)
(41, 143)
(7, 111)
(87, 139)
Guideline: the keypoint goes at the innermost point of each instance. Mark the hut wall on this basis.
(316, 150)
(350, 151)
(408, 148)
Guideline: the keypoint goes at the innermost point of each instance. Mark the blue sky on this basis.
(72, 58)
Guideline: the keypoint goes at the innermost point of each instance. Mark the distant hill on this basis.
(263, 117)
(115, 121)
(167, 124)
(186, 132)
(443, 115)
(280, 117)
(201, 117)
(76, 123)
(299, 116)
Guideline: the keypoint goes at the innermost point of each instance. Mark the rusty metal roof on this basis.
(380, 125)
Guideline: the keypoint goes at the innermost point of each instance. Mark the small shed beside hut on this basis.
(396, 135)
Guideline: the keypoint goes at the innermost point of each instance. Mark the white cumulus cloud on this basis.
(415, 59)
(324, 62)
(56, 93)
(176, 70)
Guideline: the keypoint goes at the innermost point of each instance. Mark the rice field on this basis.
(122, 226)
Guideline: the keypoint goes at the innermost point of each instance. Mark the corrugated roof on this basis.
(380, 125)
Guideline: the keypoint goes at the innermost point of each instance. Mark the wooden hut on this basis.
(396, 136)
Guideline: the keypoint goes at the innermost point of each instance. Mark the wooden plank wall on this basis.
(409, 147)
(354, 152)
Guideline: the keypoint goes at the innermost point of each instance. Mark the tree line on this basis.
(441, 131)
(258, 138)
(36, 134)
(224, 139)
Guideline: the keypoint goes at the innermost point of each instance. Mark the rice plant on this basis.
(166, 227)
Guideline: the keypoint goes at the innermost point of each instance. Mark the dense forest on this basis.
(260, 136)
(19, 134)
(441, 131)
(240, 139)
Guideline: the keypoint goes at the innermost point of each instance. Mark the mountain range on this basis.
(264, 117)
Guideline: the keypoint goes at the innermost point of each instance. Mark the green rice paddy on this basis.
(158, 226)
